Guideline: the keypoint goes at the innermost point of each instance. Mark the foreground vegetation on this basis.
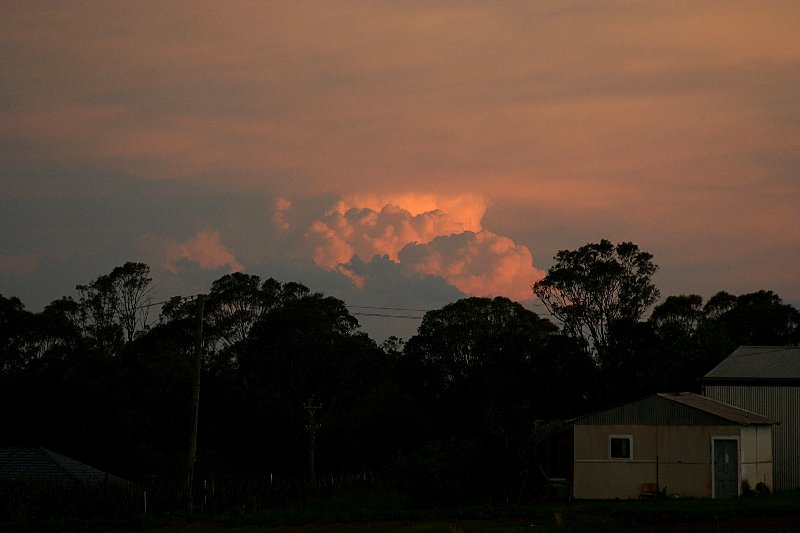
(390, 512)
(292, 390)
(544, 516)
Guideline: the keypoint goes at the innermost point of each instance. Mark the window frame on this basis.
(611, 456)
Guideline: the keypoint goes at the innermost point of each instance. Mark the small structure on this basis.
(676, 444)
(765, 380)
(43, 465)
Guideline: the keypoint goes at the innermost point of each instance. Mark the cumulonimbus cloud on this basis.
(466, 209)
(429, 235)
(205, 248)
(366, 232)
(480, 264)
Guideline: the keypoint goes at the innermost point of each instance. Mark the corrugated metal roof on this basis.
(714, 407)
(759, 362)
(40, 464)
(674, 409)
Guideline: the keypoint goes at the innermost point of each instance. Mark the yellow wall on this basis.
(676, 457)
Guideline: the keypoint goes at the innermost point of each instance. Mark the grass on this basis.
(573, 516)
(389, 513)
(621, 515)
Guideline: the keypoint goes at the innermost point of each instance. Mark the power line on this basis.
(193, 297)
(388, 308)
(153, 304)
(380, 315)
(532, 304)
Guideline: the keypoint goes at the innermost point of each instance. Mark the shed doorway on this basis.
(726, 468)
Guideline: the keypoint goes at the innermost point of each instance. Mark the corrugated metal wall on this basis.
(781, 404)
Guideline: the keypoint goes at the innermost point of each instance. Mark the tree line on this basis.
(455, 414)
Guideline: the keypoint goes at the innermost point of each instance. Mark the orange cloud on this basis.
(205, 248)
(348, 231)
(419, 231)
(358, 280)
(330, 249)
(480, 264)
(467, 209)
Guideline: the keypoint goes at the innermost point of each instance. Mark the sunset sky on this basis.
(398, 154)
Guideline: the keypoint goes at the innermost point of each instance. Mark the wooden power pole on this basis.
(312, 436)
(195, 405)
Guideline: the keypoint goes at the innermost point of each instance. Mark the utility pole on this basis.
(312, 433)
(195, 406)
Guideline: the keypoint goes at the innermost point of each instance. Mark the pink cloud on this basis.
(282, 205)
(431, 241)
(358, 280)
(19, 264)
(349, 231)
(205, 248)
(467, 209)
(330, 249)
(480, 264)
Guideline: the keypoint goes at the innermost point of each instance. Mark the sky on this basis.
(398, 154)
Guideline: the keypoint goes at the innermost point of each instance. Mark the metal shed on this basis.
(684, 444)
(766, 380)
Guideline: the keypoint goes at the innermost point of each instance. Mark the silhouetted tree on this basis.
(591, 289)
(234, 304)
(678, 315)
(761, 318)
(309, 349)
(487, 369)
(15, 322)
(692, 337)
(454, 413)
(114, 307)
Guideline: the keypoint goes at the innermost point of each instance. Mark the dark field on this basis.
(778, 513)
(742, 524)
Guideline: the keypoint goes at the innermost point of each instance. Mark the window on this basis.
(620, 447)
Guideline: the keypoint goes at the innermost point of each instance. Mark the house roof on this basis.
(674, 409)
(781, 363)
(40, 464)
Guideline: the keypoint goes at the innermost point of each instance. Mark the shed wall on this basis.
(781, 404)
(676, 457)
(756, 456)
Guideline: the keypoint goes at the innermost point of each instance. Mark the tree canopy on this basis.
(594, 288)
(485, 370)
(113, 307)
(452, 415)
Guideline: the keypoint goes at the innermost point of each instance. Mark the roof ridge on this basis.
(772, 349)
(737, 414)
(58, 463)
(779, 363)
